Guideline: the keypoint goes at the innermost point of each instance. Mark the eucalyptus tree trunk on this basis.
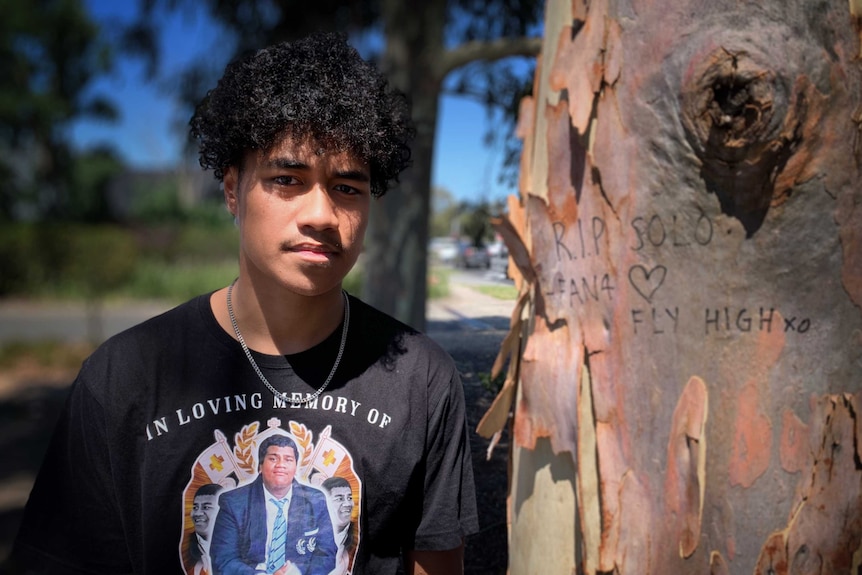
(417, 61)
(687, 367)
(396, 259)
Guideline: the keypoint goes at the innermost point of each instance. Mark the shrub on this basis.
(99, 260)
(178, 282)
(16, 259)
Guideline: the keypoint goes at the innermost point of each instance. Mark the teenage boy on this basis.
(303, 136)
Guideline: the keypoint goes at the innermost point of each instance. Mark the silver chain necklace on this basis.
(260, 374)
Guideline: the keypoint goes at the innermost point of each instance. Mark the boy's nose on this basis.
(319, 210)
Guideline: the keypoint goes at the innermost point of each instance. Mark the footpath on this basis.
(467, 309)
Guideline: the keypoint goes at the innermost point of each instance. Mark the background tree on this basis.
(424, 43)
(475, 221)
(50, 52)
(97, 262)
(444, 210)
(87, 188)
(689, 236)
(464, 219)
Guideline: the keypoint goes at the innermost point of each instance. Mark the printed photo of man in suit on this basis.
(204, 511)
(273, 525)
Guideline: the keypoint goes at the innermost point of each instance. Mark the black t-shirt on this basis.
(173, 404)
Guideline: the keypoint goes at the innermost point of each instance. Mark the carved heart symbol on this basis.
(646, 282)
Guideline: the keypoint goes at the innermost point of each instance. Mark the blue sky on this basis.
(151, 129)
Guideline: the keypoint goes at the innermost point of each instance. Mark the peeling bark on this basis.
(717, 564)
(826, 527)
(686, 462)
(689, 240)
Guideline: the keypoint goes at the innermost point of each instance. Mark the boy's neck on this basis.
(278, 322)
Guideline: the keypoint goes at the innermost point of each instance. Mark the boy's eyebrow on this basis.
(288, 163)
(356, 175)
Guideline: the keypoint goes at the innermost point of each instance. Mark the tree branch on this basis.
(489, 50)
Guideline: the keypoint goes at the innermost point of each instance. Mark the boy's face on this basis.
(302, 214)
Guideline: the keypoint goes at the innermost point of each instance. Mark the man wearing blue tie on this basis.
(273, 525)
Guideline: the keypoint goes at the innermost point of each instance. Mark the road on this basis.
(26, 321)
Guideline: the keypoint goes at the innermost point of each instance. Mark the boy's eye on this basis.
(344, 188)
(285, 180)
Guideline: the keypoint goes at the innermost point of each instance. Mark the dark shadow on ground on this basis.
(468, 325)
(27, 420)
(474, 352)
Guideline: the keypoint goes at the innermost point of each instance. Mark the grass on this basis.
(492, 385)
(149, 280)
(503, 292)
(178, 281)
(44, 353)
(438, 282)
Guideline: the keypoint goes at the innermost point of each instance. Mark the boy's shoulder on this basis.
(372, 325)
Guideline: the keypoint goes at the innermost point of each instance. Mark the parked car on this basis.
(472, 256)
(443, 250)
(498, 249)
(499, 258)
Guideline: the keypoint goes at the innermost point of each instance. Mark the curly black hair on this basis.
(317, 87)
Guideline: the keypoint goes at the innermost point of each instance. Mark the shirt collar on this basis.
(267, 495)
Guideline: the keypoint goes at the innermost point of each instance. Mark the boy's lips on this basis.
(316, 243)
(317, 248)
(313, 250)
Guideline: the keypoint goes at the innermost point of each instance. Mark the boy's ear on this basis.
(231, 189)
